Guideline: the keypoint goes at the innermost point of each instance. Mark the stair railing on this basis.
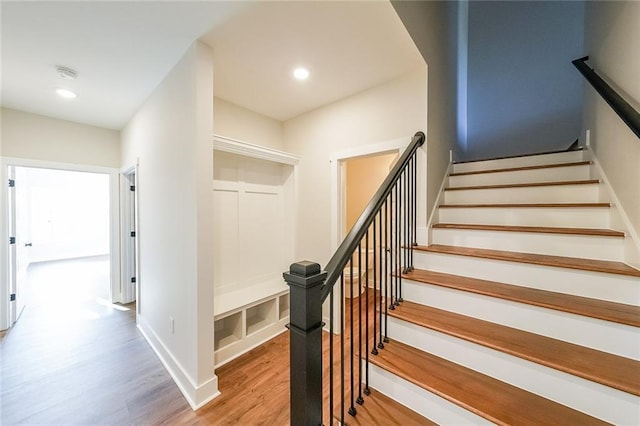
(378, 249)
(625, 111)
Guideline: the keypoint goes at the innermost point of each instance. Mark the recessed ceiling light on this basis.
(301, 73)
(66, 93)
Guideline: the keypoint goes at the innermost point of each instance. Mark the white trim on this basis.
(235, 146)
(114, 222)
(632, 250)
(126, 204)
(41, 164)
(196, 396)
(4, 249)
(398, 144)
(436, 205)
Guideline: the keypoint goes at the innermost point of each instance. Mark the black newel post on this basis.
(305, 283)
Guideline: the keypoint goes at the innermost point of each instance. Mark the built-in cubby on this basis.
(260, 316)
(254, 227)
(228, 330)
(283, 303)
(245, 327)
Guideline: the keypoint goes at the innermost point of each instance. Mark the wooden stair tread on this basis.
(378, 407)
(517, 169)
(601, 367)
(533, 229)
(526, 185)
(516, 205)
(593, 265)
(487, 397)
(593, 308)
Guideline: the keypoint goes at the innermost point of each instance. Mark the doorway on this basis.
(361, 179)
(58, 220)
(129, 237)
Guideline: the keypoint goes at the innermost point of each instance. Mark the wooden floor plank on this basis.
(525, 185)
(604, 266)
(532, 229)
(600, 367)
(492, 399)
(527, 205)
(593, 308)
(517, 169)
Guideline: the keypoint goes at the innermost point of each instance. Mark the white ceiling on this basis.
(122, 50)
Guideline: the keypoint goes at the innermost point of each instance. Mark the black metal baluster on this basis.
(398, 267)
(376, 253)
(352, 408)
(415, 206)
(412, 198)
(331, 357)
(407, 215)
(360, 400)
(405, 226)
(366, 308)
(342, 331)
(383, 262)
(392, 246)
(386, 273)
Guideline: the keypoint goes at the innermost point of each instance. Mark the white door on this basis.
(19, 242)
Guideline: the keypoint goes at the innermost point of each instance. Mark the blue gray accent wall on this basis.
(523, 94)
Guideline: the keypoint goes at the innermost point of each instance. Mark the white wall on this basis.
(390, 111)
(611, 38)
(171, 139)
(26, 135)
(239, 123)
(433, 28)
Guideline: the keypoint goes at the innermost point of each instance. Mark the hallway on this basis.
(73, 358)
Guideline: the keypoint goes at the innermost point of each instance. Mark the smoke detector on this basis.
(66, 73)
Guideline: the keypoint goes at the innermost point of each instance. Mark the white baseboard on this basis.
(632, 241)
(196, 395)
(434, 210)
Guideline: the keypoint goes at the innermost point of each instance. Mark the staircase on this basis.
(520, 311)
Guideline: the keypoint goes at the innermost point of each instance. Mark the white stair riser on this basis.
(583, 246)
(605, 336)
(527, 216)
(612, 287)
(555, 174)
(429, 405)
(532, 194)
(532, 160)
(583, 395)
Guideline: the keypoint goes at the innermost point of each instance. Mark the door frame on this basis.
(114, 224)
(337, 160)
(130, 249)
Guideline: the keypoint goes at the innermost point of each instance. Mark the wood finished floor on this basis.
(91, 366)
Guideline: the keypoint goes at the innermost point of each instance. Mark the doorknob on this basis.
(28, 245)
